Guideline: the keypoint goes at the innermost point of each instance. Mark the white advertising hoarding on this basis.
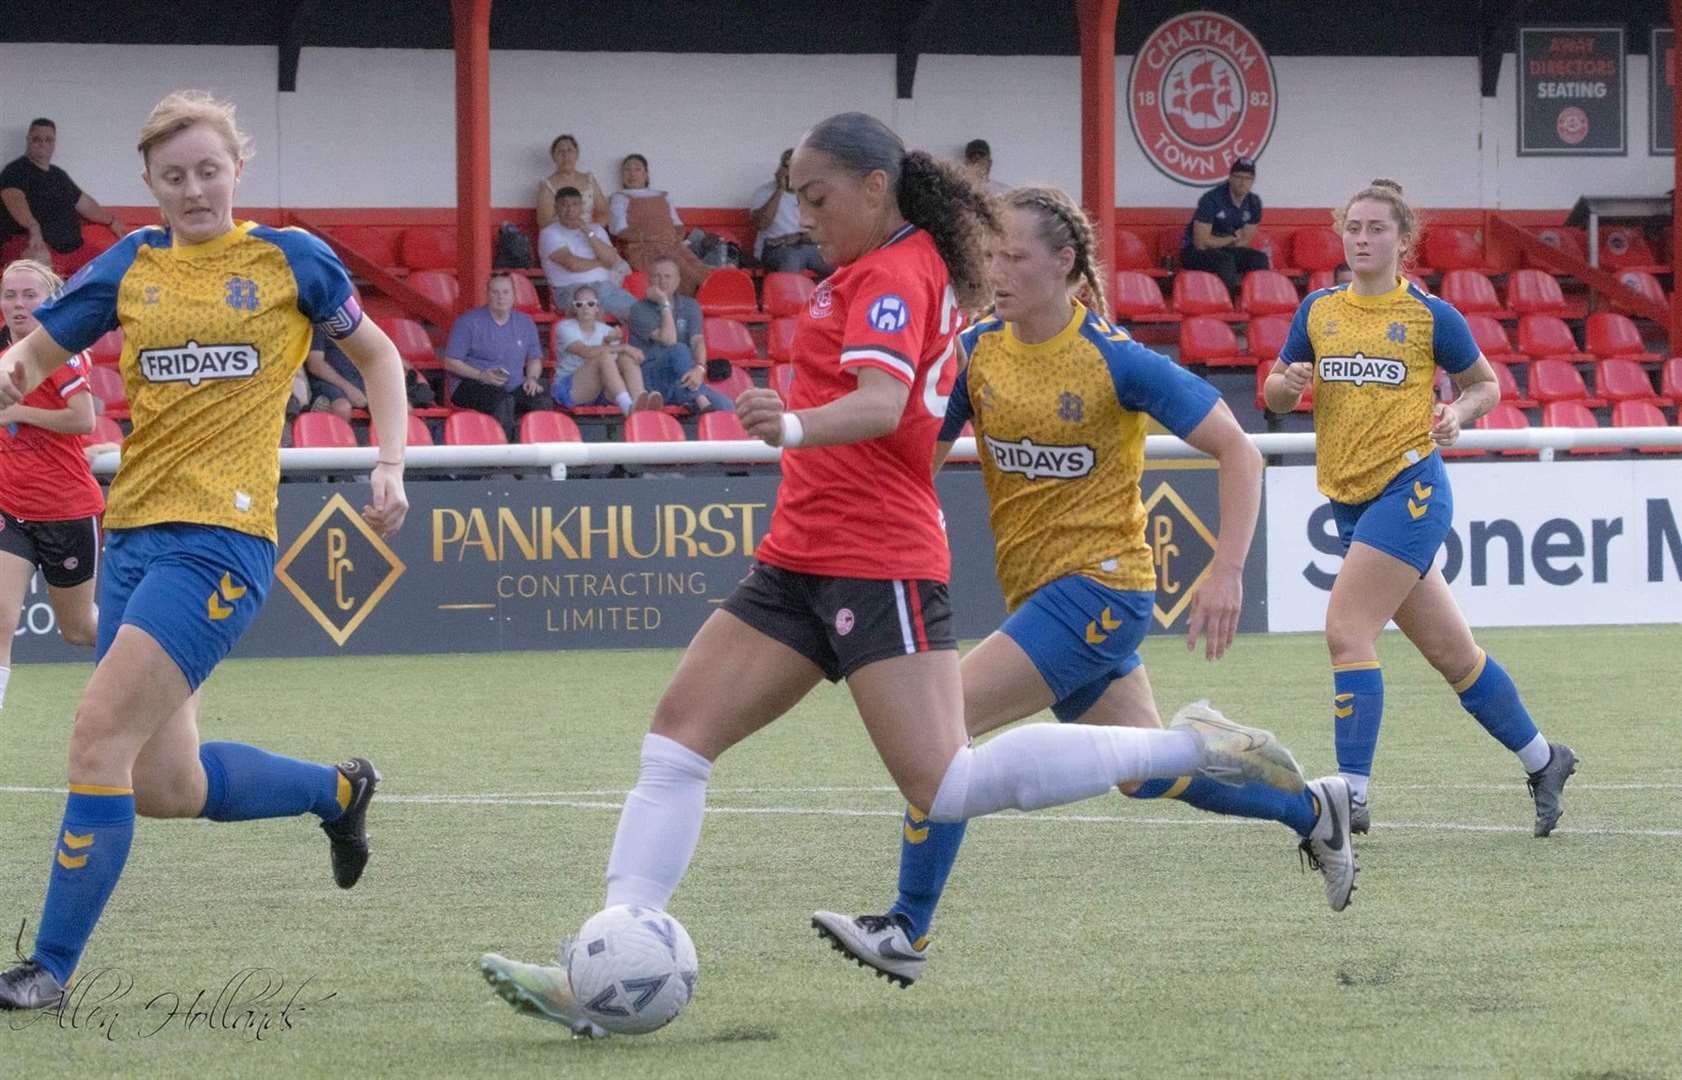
(1534, 544)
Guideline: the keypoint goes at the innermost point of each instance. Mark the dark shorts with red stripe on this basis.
(66, 551)
(841, 624)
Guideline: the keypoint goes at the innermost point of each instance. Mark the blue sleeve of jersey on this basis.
(87, 307)
(1297, 348)
(1148, 382)
(1451, 337)
(324, 291)
(958, 409)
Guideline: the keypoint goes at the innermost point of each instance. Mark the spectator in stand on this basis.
(1218, 236)
(779, 242)
(494, 358)
(978, 166)
(666, 326)
(335, 385)
(576, 252)
(41, 208)
(564, 153)
(595, 366)
(645, 222)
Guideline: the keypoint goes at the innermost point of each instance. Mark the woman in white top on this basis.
(564, 152)
(645, 222)
(593, 365)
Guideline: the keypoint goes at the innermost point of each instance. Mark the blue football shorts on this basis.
(193, 588)
(1408, 520)
(1081, 637)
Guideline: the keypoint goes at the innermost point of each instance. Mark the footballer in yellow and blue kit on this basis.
(212, 336)
(1060, 429)
(1375, 366)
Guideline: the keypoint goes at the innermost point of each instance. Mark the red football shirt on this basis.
(43, 474)
(869, 509)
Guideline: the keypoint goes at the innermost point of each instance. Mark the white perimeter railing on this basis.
(558, 457)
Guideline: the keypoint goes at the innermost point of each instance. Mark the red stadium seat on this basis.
(1645, 284)
(107, 385)
(782, 380)
(1557, 380)
(105, 430)
(419, 433)
(1670, 381)
(652, 426)
(379, 307)
(1548, 336)
(1574, 414)
(719, 425)
(786, 293)
(1317, 248)
(1509, 386)
(380, 246)
(1472, 294)
(1625, 247)
(1132, 253)
(526, 300)
(412, 343)
(1137, 298)
(108, 349)
(1450, 247)
(1535, 292)
(468, 428)
(544, 425)
(636, 283)
(1642, 414)
(1492, 340)
(1262, 372)
(1276, 246)
(1264, 338)
(1609, 334)
(732, 385)
(1321, 279)
(1209, 341)
(1268, 292)
(439, 286)
(1622, 379)
(1505, 417)
(428, 247)
(1198, 292)
(779, 342)
(322, 429)
(1569, 241)
(728, 293)
(728, 339)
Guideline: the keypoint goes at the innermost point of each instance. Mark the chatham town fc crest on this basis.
(1201, 94)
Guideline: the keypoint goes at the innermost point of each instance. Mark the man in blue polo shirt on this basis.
(494, 358)
(1218, 237)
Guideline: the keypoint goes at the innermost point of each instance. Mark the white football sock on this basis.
(6, 676)
(1051, 764)
(660, 825)
(1533, 755)
(1357, 785)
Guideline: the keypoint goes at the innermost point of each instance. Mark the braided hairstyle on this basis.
(1063, 224)
(932, 195)
(1408, 221)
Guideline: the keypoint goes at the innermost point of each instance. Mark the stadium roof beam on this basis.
(1495, 33)
(1097, 20)
(915, 19)
(292, 42)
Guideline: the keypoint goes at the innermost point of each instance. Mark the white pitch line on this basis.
(1204, 820)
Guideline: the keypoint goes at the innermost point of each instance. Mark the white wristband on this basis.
(793, 430)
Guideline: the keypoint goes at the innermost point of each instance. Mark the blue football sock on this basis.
(245, 783)
(92, 847)
(1358, 705)
(1489, 695)
(1247, 800)
(927, 850)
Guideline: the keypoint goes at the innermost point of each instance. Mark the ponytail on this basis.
(958, 217)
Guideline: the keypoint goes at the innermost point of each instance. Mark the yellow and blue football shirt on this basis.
(212, 336)
(1060, 430)
(1375, 361)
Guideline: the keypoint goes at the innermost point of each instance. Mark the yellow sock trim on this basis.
(95, 789)
(921, 943)
(1359, 665)
(1178, 788)
(1477, 671)
(916, 815)
(343, 794)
